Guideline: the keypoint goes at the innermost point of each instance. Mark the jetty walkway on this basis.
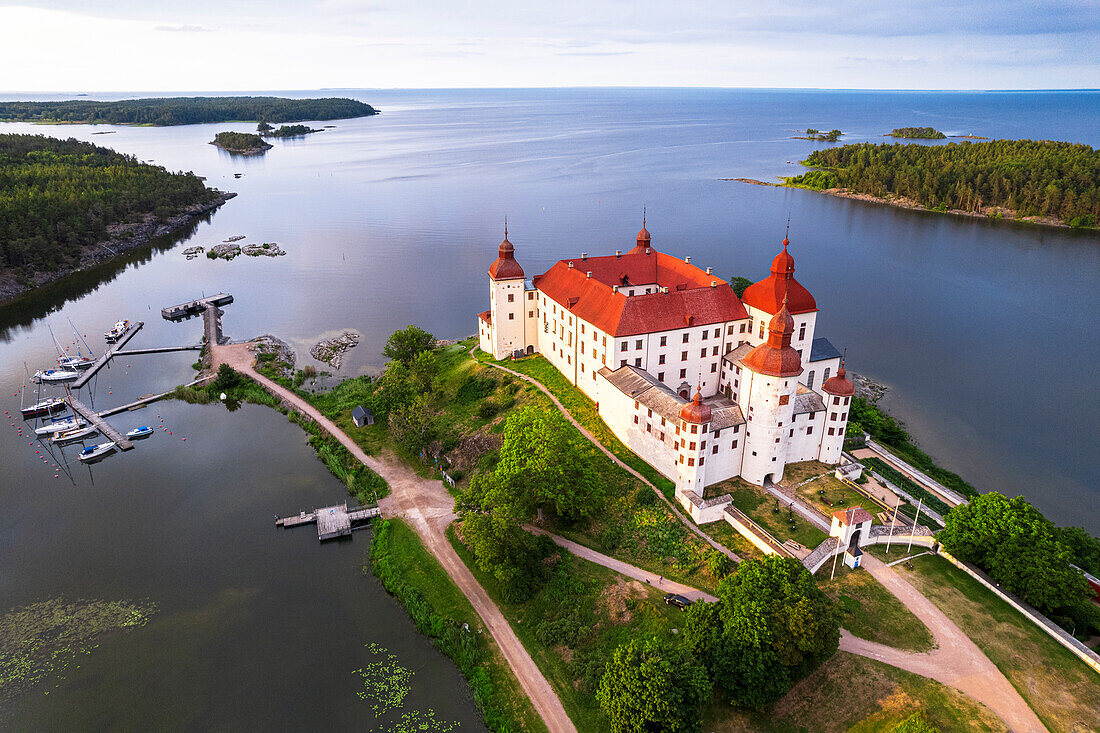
(429, 509)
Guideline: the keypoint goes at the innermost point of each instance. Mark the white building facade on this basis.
(701, 384)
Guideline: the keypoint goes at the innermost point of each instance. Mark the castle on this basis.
(702, 384)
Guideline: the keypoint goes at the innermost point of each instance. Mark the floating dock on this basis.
(194, 307)
(333, 521)
(159, 350)
(102, 425)
(107, 355)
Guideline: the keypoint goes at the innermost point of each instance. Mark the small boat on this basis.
(116, 333)
(74, 362)
(43, 407)
(71, 436)
(94, 453)
(138, 433)
(60, 426)
(55, 375)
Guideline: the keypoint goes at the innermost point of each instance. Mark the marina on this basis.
(94, 418)
(107, 355)
(195, 307)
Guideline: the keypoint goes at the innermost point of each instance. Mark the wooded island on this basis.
(917, 133)
(1042, 181)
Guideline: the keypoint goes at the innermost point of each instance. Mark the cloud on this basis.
(594, 53)
(185, 28)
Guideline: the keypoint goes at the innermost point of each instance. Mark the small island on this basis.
(813, 133)
(917, 133)
(241, 143)
(68, 205)
(285, 130)
(1034, 181)
(163, 111)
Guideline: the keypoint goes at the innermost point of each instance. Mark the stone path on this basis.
(584, 431)
(429, 509)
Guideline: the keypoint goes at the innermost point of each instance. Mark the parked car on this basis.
(675, 599)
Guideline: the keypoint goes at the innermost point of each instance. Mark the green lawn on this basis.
(852, 694)
(835, 491)
(871, 612)
(609, 609)
(409, 563)
(1059, 687)
(759, 505)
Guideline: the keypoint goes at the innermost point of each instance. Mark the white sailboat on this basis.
(56, 375)
(94, 453)
(72, 436)
(60, 426)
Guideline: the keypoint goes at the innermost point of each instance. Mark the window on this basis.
(661, 359)
(832, 416)
(638, 362)
(531, 295)
(777, 440)
(622, 362)
(691, 445)
(694, 430)
(836, 400)
(511, 297)
(729, 330)
(831, 431)
(761, 328)
(703, 445)
(810, 379)
(648, 428)
(714, 351)
(784, 399)
(743, 327)
(582, 367)
(683, 373)
(701, 459)
(705, 334)
(809, 429)
(840, 431)
(530, 314)
(649, 413)
(685, 338)
(582, 328)
(636, 405)
(826, 377)
(681, 459)
(632, 291)
(843, 416)
(638, 344)
(660, 376)
(737, 370)
(733, 445)
(605, 341)
(683, 356)
(714, 449)
(812, 415)
(846, 401)
(729, 347)
(802, 332)
(737, 428)
(511, 316)
(635, 419)
(702, 353)
(664, 341)
(792, 433)
(569, 359)
(662, 437)
(714, 367)
(624, 346)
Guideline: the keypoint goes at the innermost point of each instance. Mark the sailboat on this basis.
(56, 375)
(94, 453)
(41, 406)
(72, 436)
(60, 426)
(69, 363)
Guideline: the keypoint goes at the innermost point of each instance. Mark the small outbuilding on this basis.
(362, 417)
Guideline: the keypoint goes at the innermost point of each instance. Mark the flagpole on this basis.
(893, 523)
(914, 526)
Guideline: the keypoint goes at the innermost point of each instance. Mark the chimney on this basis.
(713, 283)
(588, 274)
(618, 254)
(570, 264)
(687, 260)
(584, 256)
(710, 270)
(647, 250)
(614, 288)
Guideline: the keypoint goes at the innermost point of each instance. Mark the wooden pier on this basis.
(107, 355)
(143, 401)
(194, 307)
(102, 425)
(333, 521)
(159, 350)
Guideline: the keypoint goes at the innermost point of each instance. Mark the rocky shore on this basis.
(331, 351)
(121, 238)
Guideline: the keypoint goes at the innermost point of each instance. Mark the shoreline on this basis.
(121, 239)
(1005, 215)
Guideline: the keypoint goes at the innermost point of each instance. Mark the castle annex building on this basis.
(702, 384)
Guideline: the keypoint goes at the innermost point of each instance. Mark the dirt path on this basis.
(675, 509)
(429, 509)
(623, 568)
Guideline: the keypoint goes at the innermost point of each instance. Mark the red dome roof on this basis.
(839, 385)
(643, 241)
(695, 411)
(776, 357)
(767, 295)
(505, 267)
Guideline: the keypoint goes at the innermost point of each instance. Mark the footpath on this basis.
(429, 509)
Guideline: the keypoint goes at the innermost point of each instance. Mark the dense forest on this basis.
(185, 110)
(1025, 177)
(918, 133)
(292, 131)
(240, 142)
(59, 196)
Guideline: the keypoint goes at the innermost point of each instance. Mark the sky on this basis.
(235, 45)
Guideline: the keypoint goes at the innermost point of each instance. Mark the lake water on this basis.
(983, 332)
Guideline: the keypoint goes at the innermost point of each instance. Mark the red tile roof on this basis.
(505, 267)
(690, 301)
(486, 316)
(852, 517)
(840, 385)
(767, 295)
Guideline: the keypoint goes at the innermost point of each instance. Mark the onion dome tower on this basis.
(692, 430)
(505, 267)
(695, 411)
(840, 385)
(768, 294)
(776, 357)
(644, 241)
(505, 330)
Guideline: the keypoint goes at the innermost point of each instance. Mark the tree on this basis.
(405, 344)
(264, 127)
(411, 425)
(394, 389)
(739, 285)
(1085, 547)
(514, 556)
(1012, 541)
(771, 627)
(652, 686)
(541, 467)
(423, 369)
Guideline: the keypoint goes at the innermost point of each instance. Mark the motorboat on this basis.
(139, 433)
(43, 407)
(94, 453)
(74, 362)
(55, 375)
(116, 333)
(71, 436)
(60, 426)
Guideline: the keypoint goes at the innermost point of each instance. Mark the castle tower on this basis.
(694, 429)
(771, 372)
(838, 398)
(644, 241)
(764, 299)
(502, 327)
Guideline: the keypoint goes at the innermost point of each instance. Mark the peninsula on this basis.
(241, 143)
(163, 111)
(1035, 181)
(67, 205)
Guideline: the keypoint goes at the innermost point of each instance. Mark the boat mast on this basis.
(91, 353)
